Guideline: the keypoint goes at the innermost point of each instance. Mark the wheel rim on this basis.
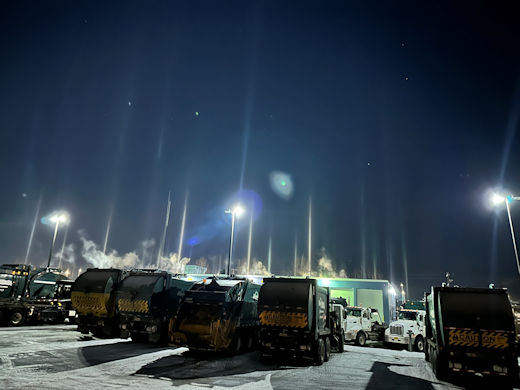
(16, 318)
(420, 346)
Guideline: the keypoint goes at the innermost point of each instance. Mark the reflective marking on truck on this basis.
(463, 337)
(494, 340)
(137, 306)
(277, 318)
(86, 303)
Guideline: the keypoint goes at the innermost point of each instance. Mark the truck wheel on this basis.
(320, 352)
(419, 344)
(327, 349)
(426, 352)
(16, 317)
(236, 345)
(439, 366)
(341, 343)
(361, 339)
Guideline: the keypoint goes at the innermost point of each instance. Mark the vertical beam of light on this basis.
(183, 224)
(107, 232)
(269, 251)
(309, 236)
(249, 242)
(163, 237)
(511, 128)
(295, 260)
(363, 235)
(404, 253)
(63, 246)
(31, 236)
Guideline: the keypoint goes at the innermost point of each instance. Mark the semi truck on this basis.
(362, 324)
(25, 291)
(217, 314)
(409, 329)
(93, 298)
(295, 319)
(472, 331)
(146, 300)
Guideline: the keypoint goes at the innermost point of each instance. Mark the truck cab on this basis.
(409, 325)
(363, 323)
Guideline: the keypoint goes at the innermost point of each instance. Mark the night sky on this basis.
(394, 118)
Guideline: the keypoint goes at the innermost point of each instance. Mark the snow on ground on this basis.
(52, 357)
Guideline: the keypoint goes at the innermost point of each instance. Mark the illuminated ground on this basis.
(59, 357)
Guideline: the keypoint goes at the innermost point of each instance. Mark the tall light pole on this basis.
(235, 211)
(497, 199)
(57, 218)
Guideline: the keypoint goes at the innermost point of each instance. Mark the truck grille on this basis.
(396, 329)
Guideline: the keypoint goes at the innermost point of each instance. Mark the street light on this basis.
(496, 200)
(57, 218)
(403, 299)
(235, 211)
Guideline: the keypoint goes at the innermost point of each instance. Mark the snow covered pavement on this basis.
(51, 357)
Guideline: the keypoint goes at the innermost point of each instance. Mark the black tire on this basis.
(319, 356)
(16, 317)
(236, 345)
(439, 366)
(361, 339)
(419, 344)
(327, 349)
(341, 344)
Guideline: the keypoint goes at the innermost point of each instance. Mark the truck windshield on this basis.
(407, 315)
(354, 312)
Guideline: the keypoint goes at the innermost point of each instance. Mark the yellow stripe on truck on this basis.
(461, 337)
(496, 340)
(286, 319)
(90, 303)
(136, 306)
(470, 338)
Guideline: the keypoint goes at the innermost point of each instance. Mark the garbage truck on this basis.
(218, 314)
(146, 300)
(25, 291)
(471, 331)
(93, 298)
(295, 319)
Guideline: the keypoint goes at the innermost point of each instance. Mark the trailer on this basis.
(295, 319)
(93, 298)
(471, 331)
(217, 314)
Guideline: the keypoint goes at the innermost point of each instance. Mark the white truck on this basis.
(362, 324)
(410, 324)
